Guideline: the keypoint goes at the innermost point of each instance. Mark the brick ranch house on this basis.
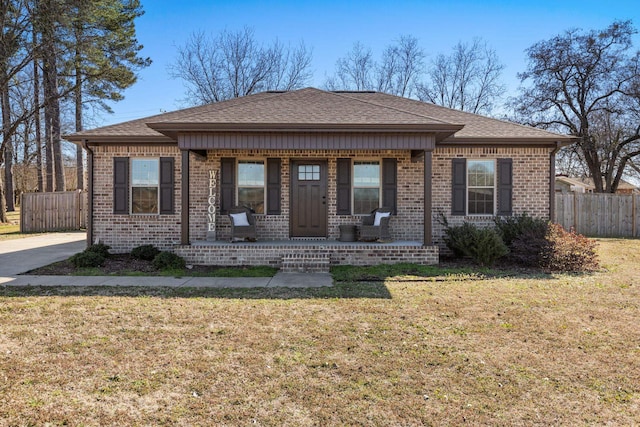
(308, 161)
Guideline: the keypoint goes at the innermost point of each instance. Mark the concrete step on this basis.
(317, 262)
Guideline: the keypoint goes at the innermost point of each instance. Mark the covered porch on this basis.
(306, 255)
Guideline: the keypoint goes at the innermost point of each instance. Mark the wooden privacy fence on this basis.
(57, 211)
(599, 215)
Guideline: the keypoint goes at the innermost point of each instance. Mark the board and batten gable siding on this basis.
(305, 141)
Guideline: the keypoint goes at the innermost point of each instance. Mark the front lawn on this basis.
(473, 348)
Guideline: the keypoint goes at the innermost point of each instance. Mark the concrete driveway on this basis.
(20, 255)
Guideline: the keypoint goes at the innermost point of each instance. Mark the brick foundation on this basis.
(272, 254)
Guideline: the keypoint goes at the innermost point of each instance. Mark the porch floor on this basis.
(306, 243)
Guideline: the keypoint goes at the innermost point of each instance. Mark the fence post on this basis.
(21, 212)
(633, 215)
(78, 209)
(575, 212)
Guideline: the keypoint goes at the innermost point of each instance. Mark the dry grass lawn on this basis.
(11, 229)
(545, 350)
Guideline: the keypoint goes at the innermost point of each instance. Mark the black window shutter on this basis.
(167, 185)
(343, 187)
(273, 186)
(458, 187)
(390, 184)
(121, 185)
(505, 187)
(227, 183)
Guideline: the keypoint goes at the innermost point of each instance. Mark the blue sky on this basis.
(331, 27)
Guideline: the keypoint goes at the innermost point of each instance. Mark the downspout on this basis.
(552, 181)
(85, 145)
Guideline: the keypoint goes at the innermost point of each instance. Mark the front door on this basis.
(308, 198)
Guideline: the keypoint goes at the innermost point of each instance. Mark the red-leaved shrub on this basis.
(568, 251)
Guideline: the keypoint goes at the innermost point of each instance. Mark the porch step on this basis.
(316, 262)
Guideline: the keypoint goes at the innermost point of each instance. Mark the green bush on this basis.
(99, 248)
(487, 247)
(168, 261)
(459, 238)
(483, 245)
(87, 259)
(513, 227)
(568, 251)
(145, 252)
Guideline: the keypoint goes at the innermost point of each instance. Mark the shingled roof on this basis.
(317, 110)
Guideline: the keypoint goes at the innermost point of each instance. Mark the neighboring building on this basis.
(565, 184)
(308, 161)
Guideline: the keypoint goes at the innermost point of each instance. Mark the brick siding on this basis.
(124, 232)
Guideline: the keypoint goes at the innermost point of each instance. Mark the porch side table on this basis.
(347, 233)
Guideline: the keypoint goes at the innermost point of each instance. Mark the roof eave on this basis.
(120, 139)
(551, 140)
(172, 129)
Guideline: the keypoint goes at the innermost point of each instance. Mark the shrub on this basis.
(487, 247)
(514, 227)
(483, 245)
(145, 252)
(527, 248)
(168, 261)
(87, 259)
(459, 238)
(568, 251)
(99, 248)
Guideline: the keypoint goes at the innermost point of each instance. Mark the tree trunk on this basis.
(78, 99)
(36, 103)
(52, 99)
(8, 151)
(3, 207)
(38, 129)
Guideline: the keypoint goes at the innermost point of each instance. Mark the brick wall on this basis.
(123, 232)
(403, 226)
(530, 183)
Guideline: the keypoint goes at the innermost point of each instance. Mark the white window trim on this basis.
(264, 183)
(353, 186)
(131, 186)
(495, 187)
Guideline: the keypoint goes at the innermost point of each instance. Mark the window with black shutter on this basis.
(481, 187)
(343, 187)
(274, 186)
(121, 185)
(143, 185)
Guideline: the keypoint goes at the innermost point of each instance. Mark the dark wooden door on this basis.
(308, 198)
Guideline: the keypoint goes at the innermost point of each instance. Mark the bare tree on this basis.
(586, 84)
(468, 79)
(406, 59)
(234, 64)
(355, 71)
(400, 65)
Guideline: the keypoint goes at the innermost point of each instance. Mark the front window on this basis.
(251, 185)
(366, 187)
(144, 186)
(481, 187)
